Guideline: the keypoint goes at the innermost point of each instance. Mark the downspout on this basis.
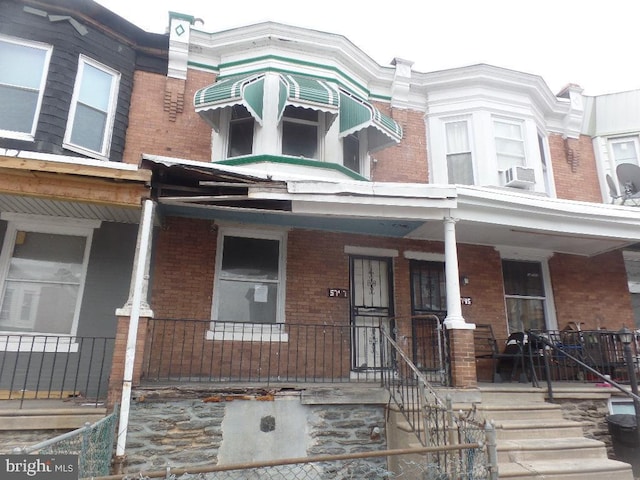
(139, 288)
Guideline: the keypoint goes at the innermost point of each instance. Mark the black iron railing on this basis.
(183, 350)
(587, 356)
(54, 367)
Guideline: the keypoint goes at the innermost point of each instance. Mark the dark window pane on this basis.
(240, 137)
(250, 258)
(522, 278)
(299, 139)
(300, 113)
(351, 152)
(428, 286)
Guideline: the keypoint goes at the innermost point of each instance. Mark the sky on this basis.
(593, 44)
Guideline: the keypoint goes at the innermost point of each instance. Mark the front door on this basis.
(371, 309)
(428, 310)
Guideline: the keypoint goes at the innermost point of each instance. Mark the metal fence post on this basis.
(492, 450)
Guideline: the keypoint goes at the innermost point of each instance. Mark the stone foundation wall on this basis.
(181, 432)
(592, 414)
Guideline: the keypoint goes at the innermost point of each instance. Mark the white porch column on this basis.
(454, 319)
(135, 306)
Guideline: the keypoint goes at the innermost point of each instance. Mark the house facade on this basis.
(70, 206)
(316, 187)
(266, 205)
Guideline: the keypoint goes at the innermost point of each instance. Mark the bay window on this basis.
(459, 160)
(509, 141)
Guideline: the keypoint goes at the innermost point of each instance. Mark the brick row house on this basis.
(260, 202)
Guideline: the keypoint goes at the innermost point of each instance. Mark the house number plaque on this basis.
(338, 292)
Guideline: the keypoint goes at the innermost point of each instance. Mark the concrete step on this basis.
(506, 394)
(518, 429)
(49, 419)
(534, 411)
(523, 450)
(566, 469)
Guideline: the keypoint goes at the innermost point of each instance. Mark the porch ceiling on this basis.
(57, 208)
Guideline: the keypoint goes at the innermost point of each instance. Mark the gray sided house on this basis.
(69, 206)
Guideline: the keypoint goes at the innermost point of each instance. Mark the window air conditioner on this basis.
(519, 177)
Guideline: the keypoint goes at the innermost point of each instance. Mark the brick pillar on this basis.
(463, 360)
(119, 354)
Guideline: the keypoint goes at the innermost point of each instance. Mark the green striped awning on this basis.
(308, 92)
(357, 114)
(247, 90)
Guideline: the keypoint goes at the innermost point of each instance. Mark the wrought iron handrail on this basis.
(432, 418)
(560, 351)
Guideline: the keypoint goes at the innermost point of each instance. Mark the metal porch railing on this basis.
(433, 420)
(185, 350)
(54, 367)
(587, 356)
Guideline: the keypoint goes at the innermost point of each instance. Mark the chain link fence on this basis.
(412, 464)
(93, 444)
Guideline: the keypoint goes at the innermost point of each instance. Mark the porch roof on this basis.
(488, 216)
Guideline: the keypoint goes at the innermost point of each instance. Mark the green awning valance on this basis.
(357, 114)
(301, 91)
(247, 90)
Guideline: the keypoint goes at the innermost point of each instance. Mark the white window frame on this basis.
(533, 255)
(250, 331)
(468, 126)
(43, 80)
(103, 154)
(521, 125)
(623, 139)
(42, 341)
(320, 125)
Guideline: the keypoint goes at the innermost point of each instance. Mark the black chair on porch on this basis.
(509, 364)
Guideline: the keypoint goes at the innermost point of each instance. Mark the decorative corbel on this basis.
(572, 152)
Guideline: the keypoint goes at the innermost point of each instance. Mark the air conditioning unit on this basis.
(519, 177)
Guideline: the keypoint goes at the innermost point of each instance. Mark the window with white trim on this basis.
(624, 150)
(241, 128)
(23, 74)
(351, 155)
(249, 277)
(525, 297)
(459, 160)
(93, 107)
(301, 132)
(43, 267)
(509, 142)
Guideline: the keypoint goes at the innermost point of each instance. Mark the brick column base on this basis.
(463, 360)
(119, 355)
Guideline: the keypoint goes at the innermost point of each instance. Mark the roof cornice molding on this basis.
(215, 51)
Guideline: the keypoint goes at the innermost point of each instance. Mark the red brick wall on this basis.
(575, 174)
(184, 264)
(162, 120)
(591, 290)
(407, 161)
